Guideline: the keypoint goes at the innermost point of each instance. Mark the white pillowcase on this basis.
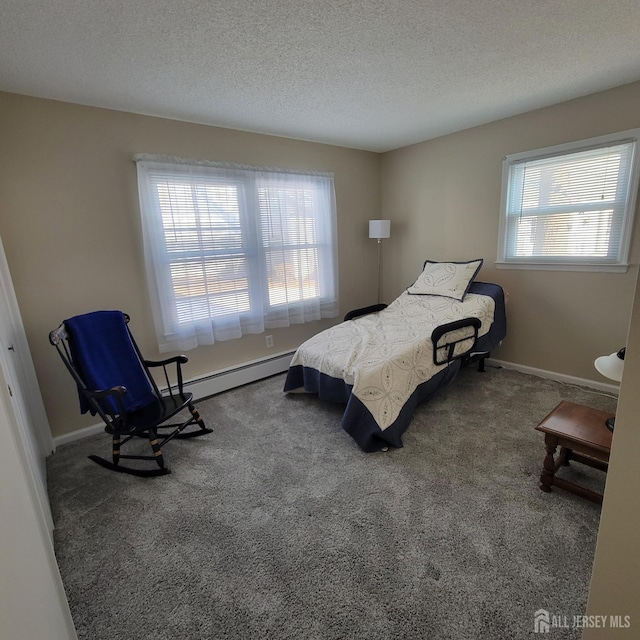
(450, 279)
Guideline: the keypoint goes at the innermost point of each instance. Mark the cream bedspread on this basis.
(386, 355)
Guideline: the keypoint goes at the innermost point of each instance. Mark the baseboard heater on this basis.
(225, 379)
(207, 386)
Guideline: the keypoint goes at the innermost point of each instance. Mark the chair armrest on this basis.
(445, 352)
(178, 361)
(356, 313)
(162, 363)
(117, 393)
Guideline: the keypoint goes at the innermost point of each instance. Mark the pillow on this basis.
(450, 279)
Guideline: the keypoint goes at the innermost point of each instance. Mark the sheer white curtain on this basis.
(232, 250)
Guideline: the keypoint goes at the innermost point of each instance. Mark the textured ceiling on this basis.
(368, 74)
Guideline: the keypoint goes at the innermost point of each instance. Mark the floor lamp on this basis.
(611, 367)
(379, 229)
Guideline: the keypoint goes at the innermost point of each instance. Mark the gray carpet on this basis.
(276, 526)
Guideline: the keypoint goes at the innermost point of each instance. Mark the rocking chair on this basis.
(115, 382)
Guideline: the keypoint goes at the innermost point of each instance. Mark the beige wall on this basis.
(69, 221)
(443, 197)
(33, 603)
(615, 583)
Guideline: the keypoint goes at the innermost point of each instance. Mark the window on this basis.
(232, 250)
(570, 206)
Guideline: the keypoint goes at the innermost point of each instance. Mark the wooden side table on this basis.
(582, 435)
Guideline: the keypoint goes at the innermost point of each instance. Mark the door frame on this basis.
(27, 404)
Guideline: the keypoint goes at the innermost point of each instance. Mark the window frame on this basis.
(164, 233)
(167, 258)
(263, 251)
(543, 263)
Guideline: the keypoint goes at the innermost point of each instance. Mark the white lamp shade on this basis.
(610, 366)
(379, 228)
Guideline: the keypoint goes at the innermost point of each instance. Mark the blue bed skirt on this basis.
(356, 420)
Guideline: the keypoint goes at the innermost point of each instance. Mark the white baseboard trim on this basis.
(558, 377)
(85, 432)
(208, 385)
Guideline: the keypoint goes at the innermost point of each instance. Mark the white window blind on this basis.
(570, 205)
(232, 250)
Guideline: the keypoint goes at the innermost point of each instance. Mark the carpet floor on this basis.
(276, 526)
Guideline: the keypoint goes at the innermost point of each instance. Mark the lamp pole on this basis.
(379, 229)
(379, 269)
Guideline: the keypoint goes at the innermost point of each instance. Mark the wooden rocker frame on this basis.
(147, 422)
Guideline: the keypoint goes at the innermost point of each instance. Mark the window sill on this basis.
(550, 266)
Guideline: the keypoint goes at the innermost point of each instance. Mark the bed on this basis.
(383, 364)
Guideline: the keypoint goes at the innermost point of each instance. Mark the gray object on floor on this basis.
(278, 526)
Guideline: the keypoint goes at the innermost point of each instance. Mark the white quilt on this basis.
(386, 355)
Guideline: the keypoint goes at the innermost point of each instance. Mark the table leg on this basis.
(549, 467)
